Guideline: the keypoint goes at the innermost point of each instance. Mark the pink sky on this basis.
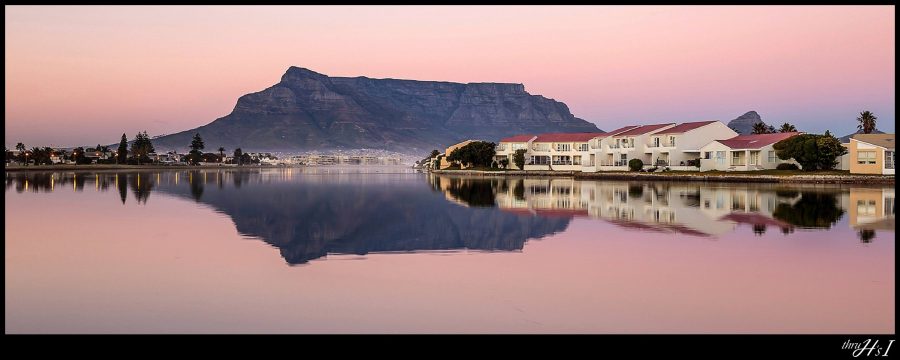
(79, 75)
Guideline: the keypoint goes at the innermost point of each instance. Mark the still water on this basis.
(388, 250)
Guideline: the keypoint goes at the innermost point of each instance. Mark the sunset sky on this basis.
(82, 75)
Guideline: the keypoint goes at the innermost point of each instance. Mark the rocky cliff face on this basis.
(744, 124)
(311, 111)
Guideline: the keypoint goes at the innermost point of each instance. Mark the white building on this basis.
(678, 147)
(617, 150)
(507, 148)
(744, 153)
(559, 151)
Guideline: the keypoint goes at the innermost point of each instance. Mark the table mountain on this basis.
(744, 124)
(307, 110)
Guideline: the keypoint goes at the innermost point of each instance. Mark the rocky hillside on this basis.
(744, 124)
(311, 111)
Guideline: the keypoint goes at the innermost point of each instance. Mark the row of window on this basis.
(869, 158)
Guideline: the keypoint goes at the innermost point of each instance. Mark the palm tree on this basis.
(221, 154)
(787, 128)
(866, 121)
(21, 148)
(760, 128)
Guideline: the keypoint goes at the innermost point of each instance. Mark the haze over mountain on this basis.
(307, 110)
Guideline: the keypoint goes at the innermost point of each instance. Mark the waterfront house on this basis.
(559, 151)
(744, 153)
(871, 208)
(678, 147)
(444, 163)
(507, 148)
(871, 154)
(617, 150)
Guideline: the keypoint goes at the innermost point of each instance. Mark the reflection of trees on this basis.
(635, 191)
(197, 185)
(474, 192)
(866, 235)
(519, 190)
(786, 193)
(813, 210)
(759, 229)
(121, 183)
(141, 185)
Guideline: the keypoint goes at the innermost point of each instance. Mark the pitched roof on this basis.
(554, 137)
(756, 141)
(517, 138)
(643, 129)
(883, 140)
(685, 127)
(621, 129)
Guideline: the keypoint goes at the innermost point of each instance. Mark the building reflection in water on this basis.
(690, 208)
(346, 212)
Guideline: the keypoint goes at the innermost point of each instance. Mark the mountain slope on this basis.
(311, 111)
(744, 124)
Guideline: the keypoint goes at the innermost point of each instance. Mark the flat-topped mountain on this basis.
(307, 110)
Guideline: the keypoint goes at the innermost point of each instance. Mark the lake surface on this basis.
(389, 250)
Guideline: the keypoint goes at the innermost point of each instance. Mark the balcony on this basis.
(661, 163)
(562, 162)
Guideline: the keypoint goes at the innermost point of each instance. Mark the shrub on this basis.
(812, 152)
(787, 166)
(519, 159)
(635, 164)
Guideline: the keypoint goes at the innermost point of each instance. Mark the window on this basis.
(671, 141)
(720, 157)
(865, 208)
(583, 147)
(736, 158)
(655, 142)
(518, 146)
(888, 206)
(576, 160)
(771, 156)
(707, 155)
(631, 142)
(754, 158)
(865, 157)
(888, 159)
(540, 160)
(563, 147)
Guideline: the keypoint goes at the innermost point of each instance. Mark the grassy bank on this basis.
(764, 176)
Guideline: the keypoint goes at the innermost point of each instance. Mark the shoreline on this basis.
(675, 176)
(92, 167)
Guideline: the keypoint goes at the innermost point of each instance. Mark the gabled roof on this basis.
(556, 137)
(685, 127)
(756, 141)
(517, 138)
(883, 140)
(644, 129)
(621, 129)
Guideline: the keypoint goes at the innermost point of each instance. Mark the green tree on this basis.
(760, 128)
(635, 164)
(238, 156)
(812, 152)
(433, 154)
(221, 154)
(866, 121)
(22, 157)
(196, 153)
(142, 147)
(476, 153)
(519, 159)
(122, 153)
(787, 128)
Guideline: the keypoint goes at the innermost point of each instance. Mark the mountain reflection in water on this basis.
(309, 213)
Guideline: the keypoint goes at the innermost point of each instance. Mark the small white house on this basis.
(559, 151)
(744, 153)
(678, 147)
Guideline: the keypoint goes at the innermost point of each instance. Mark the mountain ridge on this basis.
(307, 110)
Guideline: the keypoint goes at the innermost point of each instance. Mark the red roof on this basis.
(621, 129)
(756, 141)
(517, 138)
(641, 130)
(755, 219)
(685, 127)
(556, 137)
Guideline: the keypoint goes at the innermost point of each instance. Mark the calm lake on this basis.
(389, 250)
